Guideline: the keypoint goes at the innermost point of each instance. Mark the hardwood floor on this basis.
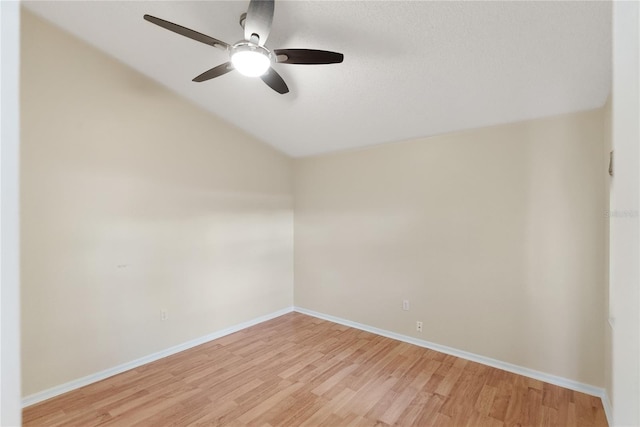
(299, 370)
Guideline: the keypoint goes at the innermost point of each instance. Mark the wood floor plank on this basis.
(325, 414)
(398, 405)
(298, 370)
(306, 405)
(485, 399)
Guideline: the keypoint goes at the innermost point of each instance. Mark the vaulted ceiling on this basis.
(411, 68)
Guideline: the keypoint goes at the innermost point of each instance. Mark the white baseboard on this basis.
(531, 373)
(89, 379)
(608, 409)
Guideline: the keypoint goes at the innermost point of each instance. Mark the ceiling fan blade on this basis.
(258, 21)
(308, 56)
(274, 81)
(214, 72)
(183, 31)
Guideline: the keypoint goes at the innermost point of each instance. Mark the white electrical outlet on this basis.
(419, 326)
(163, 314)
(405, 305)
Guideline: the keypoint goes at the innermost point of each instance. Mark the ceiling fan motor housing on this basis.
(250, 59)
(245, 46)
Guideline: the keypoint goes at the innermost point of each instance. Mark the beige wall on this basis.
(133, 201)
(495, 236)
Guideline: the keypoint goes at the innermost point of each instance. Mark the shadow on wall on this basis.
(134, 201)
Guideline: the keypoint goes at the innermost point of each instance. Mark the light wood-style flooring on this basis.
(300, 370)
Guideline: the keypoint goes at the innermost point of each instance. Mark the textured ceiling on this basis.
(411, 69)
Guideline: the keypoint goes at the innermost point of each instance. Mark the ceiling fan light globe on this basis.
(250, 63)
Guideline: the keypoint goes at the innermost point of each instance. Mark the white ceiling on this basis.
(411, 69)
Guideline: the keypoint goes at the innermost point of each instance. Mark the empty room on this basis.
(320, 213)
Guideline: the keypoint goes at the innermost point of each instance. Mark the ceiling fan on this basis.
(250, 56)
